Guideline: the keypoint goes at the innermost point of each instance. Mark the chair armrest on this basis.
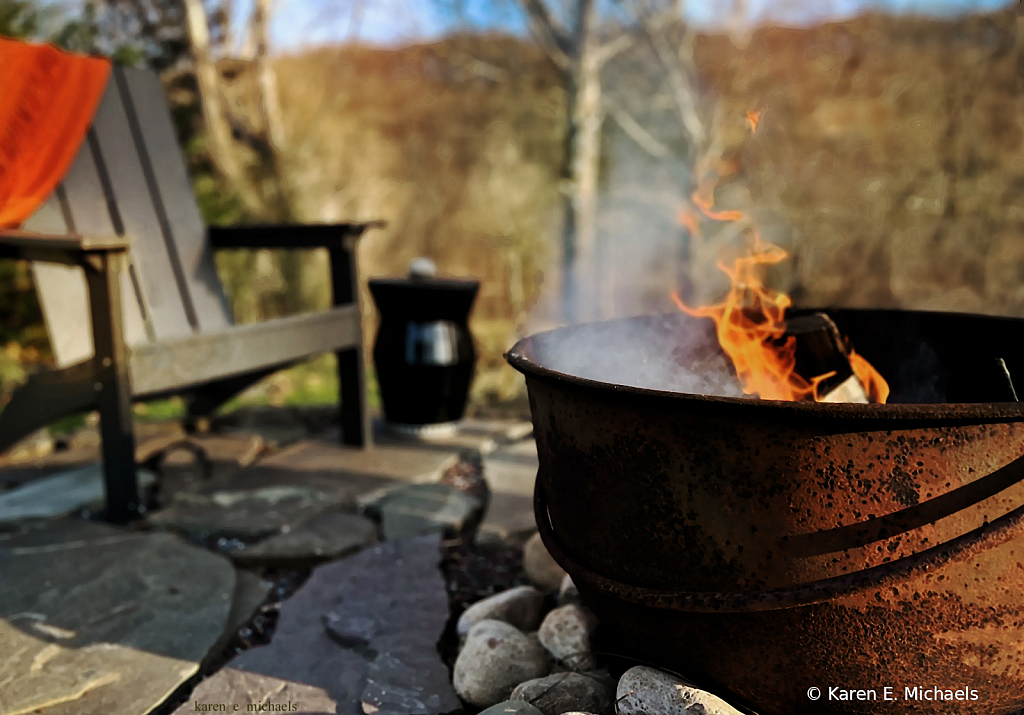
(338, 235)
(61, 248)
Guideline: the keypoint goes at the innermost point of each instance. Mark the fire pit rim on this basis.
(519, 357)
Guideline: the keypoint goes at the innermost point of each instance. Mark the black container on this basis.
(424, 351)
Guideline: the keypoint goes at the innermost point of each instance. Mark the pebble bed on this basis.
(513, 644)
(524, 644)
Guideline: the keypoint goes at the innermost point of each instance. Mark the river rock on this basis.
(567, 592)
(566, 633)
(521, 607)
(512, 707)
(542, 570)
(494, 660)
(644, 690)
(556, 694)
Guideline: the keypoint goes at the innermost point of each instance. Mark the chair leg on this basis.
(355, 417)
(355, 428)
(114, 400)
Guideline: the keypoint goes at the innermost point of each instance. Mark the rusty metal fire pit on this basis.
(765, 548)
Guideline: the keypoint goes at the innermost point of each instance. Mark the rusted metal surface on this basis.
(771, 547)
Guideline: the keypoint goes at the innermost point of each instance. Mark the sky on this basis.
(301, 23)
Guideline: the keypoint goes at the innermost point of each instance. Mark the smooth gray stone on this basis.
(96, 620)
(563, 692)
(232, 687)
(396, 584)
(323, 538)
(494, 660)
(60, 494)
(542, 570)
(512, 707)
(521, 607)
(247, 515)
(644, 690)
(426, 508)
(567, 633)
(567, 592)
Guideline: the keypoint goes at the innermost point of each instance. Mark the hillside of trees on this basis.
(888, 160)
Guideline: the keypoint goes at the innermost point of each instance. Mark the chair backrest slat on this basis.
(129, 178)
(186, 233)
(121, 171)
(62, 293)
(88, 208)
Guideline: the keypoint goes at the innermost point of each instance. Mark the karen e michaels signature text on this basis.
(909, 693)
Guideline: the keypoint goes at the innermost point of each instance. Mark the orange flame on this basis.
(750, 322)
(750, 325)
(753, 119)
(873, 382)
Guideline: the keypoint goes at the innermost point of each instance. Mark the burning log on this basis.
(821, 350)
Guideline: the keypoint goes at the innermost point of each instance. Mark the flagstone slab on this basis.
(95, 620)
(60, 494)
(323, 538)
(415, 509)
(251, 592)
(398, 586)
(362, 470)
(229, 687)
(247, 515)
(482, 435)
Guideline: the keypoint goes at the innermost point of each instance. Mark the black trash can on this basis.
(424, 352)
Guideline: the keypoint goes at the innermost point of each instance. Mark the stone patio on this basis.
(145, 619)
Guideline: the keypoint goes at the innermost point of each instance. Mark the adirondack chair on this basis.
(125, 275)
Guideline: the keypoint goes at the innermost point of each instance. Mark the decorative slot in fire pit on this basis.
(764, 547)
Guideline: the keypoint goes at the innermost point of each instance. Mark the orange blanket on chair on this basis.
(47, 101)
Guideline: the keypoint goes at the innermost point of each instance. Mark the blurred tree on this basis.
(18, 18)
(581, 47)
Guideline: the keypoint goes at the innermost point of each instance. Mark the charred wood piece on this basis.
(820, 349)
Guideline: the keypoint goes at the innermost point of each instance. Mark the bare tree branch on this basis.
(553, 40)
(680, 84)
(218, 128)
(613, 47)
(269, 106)
(634, 131)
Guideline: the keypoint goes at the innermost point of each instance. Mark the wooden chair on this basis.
(124, 269)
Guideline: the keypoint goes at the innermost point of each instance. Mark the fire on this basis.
(750, 321)
(753, 119)
(873, 382)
